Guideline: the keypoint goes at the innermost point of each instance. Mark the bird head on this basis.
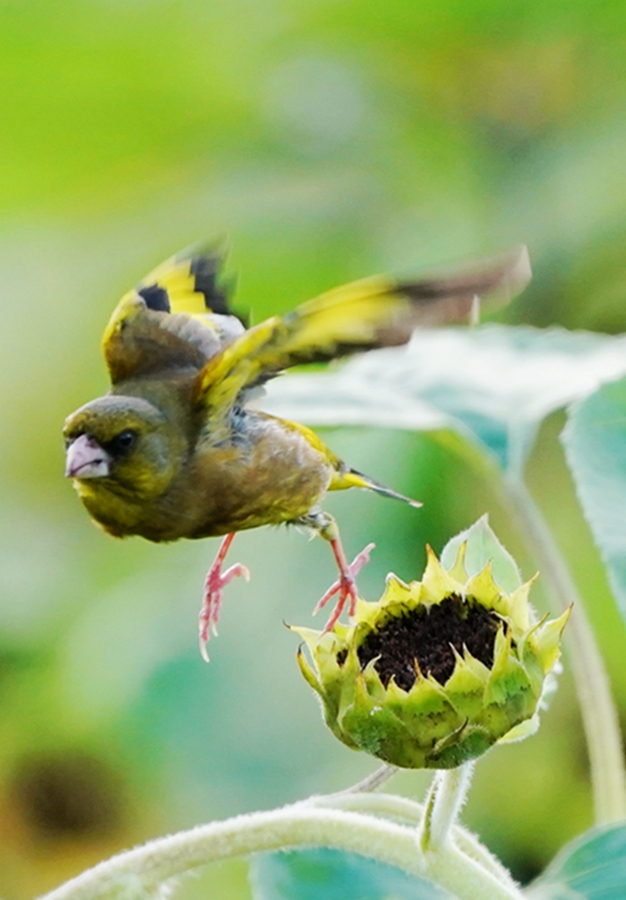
(121, 452)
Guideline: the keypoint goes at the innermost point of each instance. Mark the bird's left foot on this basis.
(214, 582)
(345, 586)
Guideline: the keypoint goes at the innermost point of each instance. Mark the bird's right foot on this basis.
(345, 586)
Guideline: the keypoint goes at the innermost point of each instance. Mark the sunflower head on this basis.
(437, 670)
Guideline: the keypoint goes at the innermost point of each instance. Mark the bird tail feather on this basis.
(351, 478)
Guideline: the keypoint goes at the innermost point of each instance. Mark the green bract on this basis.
(435, 672)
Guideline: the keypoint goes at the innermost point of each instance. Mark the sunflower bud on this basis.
(437, 671)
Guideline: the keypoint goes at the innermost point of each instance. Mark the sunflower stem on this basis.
(139, 873)
(445, 798)
(600, 721)
(370, 782)
(408, 811)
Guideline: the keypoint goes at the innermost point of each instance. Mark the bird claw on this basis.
(214, 583)
(346, 587)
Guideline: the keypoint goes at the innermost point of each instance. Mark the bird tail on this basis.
(351, 478)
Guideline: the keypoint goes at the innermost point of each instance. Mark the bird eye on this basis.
(122, 443)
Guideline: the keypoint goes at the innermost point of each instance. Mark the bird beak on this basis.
(85, 458)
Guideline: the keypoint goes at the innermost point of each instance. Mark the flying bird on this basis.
(174, 450)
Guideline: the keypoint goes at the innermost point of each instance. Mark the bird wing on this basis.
(190, 282)
(177, 317)
(374, 312)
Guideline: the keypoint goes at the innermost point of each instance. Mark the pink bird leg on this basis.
(214, 582)
(345, 586)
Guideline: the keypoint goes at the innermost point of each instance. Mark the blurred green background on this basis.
(330, 140)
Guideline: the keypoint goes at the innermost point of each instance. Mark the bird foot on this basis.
(214, 582)
(345, 586)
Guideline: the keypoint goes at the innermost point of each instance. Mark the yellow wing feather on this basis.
(176, 317)
(181, 277)
(370, 313)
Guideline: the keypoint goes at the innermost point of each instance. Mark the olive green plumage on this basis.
(173, 451)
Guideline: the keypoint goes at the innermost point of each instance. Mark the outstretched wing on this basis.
(176, 318)
(190, 282)
(375, 312)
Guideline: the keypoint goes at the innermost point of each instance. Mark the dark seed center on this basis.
(426, 635)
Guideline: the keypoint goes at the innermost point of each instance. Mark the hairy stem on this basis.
(592, 683)
(443, 804)
(370, 783)
(405, 810)
(138, 873)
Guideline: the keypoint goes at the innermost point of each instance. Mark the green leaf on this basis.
(324, 874)
(482, 547)
(595, 445)
(593, 867)
(494, 383)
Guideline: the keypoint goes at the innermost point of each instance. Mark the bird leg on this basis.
(345, 586)
(213, 584)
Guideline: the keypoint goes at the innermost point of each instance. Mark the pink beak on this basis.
(85, 458)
